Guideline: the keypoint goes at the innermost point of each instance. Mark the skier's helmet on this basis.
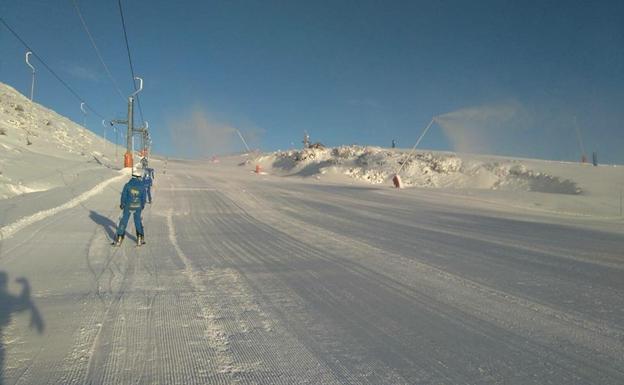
(137, 171)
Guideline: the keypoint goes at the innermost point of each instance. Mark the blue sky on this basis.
(348, 72)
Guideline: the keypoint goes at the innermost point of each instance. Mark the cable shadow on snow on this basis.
(10, 304)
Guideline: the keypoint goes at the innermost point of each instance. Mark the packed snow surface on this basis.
(316, 270)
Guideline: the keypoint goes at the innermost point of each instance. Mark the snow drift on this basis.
(423, 169)
(551, 186)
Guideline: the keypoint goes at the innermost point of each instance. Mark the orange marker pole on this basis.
(128, 162)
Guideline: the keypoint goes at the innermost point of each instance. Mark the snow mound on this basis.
(423, 169)
(31, 125)
(41, 150)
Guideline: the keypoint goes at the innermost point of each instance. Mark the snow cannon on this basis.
(396, 179)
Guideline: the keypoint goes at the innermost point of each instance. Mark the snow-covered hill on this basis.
(555, 186)
(41, 150)
(423, 169)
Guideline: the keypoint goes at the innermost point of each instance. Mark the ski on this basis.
(117, 241)
(140, 240)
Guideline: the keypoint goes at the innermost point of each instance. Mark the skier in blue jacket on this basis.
(148, 178)
(132, 199)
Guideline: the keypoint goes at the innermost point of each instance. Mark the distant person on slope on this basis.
(148, 179)
(132, 199)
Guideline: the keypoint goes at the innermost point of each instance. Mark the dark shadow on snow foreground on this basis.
(107, 224)
(10, 304)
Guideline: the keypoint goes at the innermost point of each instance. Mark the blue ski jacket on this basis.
(148, 176)
(133, 195)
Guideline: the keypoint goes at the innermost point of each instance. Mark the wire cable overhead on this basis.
(63, 82)
(97, 51)
(123, 24)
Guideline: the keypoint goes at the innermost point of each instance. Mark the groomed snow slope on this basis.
(263, 279)
(316, 278)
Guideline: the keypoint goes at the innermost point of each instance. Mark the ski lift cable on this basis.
(140, 110)
(123, 24)
(63, 82)
(97, 50)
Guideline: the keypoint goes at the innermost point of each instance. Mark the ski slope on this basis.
(268, 279)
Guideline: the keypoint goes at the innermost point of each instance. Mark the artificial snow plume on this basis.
(198, 134)
(479, 129)
(41, 150)
(546, 130)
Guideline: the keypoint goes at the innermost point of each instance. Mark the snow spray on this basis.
(481, 129)
(198, 134)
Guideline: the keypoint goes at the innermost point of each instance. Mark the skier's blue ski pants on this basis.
(148, 193)
(121, 229)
